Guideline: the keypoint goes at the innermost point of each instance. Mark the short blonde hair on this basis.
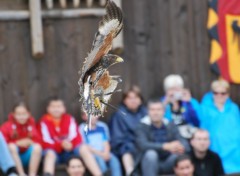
(220, 83)
(173, 81)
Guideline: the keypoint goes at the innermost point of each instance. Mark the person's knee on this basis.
(84, 149)
(37, 148)
(150, 156)
(13, 148)
(50, 155)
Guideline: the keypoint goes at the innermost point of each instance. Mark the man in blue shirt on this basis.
(97, 139)
(159, 141)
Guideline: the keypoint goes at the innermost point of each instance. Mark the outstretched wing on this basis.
(109, 28)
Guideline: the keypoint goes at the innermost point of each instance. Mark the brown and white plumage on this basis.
(96, 85)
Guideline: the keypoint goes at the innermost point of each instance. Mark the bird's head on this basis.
(111, 59)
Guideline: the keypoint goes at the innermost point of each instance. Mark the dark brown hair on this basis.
(135, 89)
(182, 158)
(72, 158)
(22, 104)
(53, 98)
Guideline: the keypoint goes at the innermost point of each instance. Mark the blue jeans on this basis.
(151, 165)
(113, 164)
(63, 157)
(6, 161)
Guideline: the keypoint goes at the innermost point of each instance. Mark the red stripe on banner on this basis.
(225, 7)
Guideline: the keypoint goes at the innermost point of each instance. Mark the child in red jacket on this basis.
(23, 140)
(61, 139)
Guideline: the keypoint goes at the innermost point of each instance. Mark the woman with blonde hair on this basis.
(221, 117)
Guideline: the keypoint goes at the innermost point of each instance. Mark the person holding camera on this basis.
(180, 107)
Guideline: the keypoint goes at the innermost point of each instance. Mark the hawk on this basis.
(96, 84)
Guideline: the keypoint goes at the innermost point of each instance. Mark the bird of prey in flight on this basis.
(96, 84)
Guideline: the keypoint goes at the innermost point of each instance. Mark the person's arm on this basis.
(143, 142)
(118, 130)
(218, 167)
(177, 136)
(191, 114)
(105, 154)
(74, 136)
(47, 141)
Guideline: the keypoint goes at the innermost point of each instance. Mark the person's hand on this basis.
(169, 97)
(174, 147)
(104, 155)
(25, 142)
(186, 95)
(66, 145)
(179, 148)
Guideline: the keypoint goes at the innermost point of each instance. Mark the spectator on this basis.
(97, 139)
(23, 140)
(205, 161)
(183, 166)
(123, 124)
(6, 162)
(180, 106)
(159, 141)
(75, 166)
(61, 139)
(221, 117)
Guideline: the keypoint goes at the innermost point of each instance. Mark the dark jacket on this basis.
(122, 126)
(145, 140)
(210, 165)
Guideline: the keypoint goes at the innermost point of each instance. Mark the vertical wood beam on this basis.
(36, 28)
(76, 3)
(89, 3)
(102, 2)
(49, 4)
(63, 3)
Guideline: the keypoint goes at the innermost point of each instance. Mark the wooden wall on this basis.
(161, 37)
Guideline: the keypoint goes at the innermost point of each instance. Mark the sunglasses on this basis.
(220, 93)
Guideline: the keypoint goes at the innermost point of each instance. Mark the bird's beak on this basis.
(119, 59)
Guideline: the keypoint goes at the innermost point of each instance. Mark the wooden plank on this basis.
(36, 28)
(7, 15)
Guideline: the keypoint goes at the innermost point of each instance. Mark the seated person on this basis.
(6, 162)
(61, 139)
(221, 118)
(183, 166)
(205, 161)
(23, 140)
(122, 126)
(75, 166)
(180, 107)
(97, 139)
(159, 141)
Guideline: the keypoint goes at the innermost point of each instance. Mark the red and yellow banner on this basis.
(224, 28)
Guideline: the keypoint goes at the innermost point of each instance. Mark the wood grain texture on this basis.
(161, 37)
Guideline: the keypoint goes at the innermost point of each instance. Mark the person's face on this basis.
(21, 114)
(184, 168)
(201, 141)
(75, 168)
(155, 112)
(220, 95)
(132, 101)
(56, 108)
(175, 93)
